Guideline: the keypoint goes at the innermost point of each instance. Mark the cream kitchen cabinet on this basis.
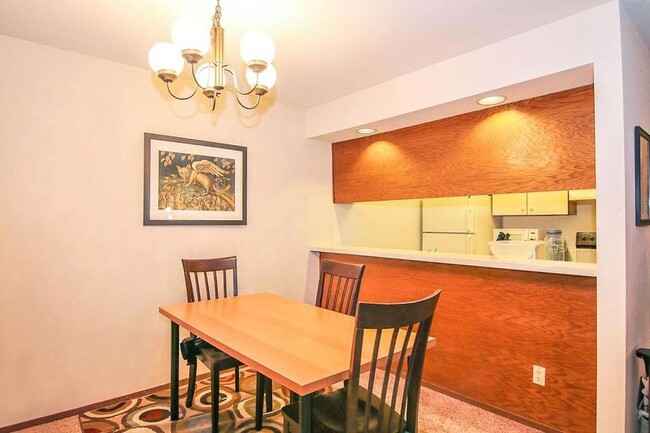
(550, 203)
(533, 203)
(582, 194)
(509, 204)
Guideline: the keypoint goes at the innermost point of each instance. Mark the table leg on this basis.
(304, 417)
(173, 383)
(260, 389)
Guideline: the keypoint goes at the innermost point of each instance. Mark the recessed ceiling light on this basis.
(366, 131)
(491, 100)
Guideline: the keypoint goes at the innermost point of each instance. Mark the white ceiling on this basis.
(325, 48)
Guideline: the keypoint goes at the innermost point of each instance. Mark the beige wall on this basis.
(82, 278)
(381, 224)
(636, 73)
(398, 224)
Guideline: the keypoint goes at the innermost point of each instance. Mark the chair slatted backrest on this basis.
(400, 390)
(210, 278)
(339, 285)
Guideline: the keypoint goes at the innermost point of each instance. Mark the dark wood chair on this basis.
(394, 408)
(338, 286)
(207, 279)
(338, 290)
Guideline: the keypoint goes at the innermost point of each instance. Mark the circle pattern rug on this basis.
(150, 414)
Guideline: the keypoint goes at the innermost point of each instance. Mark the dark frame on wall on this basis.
(642, 175)
(193, 182)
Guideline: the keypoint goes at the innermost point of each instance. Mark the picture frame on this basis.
(193, 182)
(642, 175)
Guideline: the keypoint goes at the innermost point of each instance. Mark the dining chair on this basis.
(207, 279)
(338, 290)
(338, 286)
(394, 409)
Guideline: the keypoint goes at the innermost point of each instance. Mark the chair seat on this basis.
(210, 355)
(328, 410)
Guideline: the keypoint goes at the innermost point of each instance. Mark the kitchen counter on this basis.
(528, 265)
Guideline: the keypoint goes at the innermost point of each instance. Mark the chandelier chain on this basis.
(216, 20)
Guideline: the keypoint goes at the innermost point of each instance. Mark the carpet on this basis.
(438, 413)
(150, 414)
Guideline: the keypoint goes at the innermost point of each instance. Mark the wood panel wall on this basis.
(492, 326)
(539, 144)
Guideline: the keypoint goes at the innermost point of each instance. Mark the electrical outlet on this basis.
(539, 375)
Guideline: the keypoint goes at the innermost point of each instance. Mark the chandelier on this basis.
(191, 41)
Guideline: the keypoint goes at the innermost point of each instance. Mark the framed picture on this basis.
(193, 182)
(642, 155)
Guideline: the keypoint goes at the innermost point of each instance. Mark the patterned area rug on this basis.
(438, 413)
(150, 414)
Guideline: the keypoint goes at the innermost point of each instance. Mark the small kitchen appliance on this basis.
(586, 247)
(518, 234)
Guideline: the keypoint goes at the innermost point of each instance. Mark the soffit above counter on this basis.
(544, 85)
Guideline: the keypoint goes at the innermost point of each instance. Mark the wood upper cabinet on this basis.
(533, 203)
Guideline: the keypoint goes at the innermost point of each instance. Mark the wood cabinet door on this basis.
(509, 204)
(548, 203)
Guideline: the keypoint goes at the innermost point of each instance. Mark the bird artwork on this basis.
(199, 183)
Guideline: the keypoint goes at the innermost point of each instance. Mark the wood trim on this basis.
(492, 325)
(83, 409)
(540, 144)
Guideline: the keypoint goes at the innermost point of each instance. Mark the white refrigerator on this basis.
(457, 224)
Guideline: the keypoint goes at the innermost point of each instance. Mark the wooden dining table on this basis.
(302, 347)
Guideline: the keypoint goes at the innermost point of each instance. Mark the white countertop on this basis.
(529, 265)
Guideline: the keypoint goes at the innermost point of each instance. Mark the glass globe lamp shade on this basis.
(206, 76)
(165, 57)
(257, 45)
(190, 33)
(266, 78)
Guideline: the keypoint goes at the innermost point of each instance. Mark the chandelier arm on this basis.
(259, 98)
(228, 68)
(195, 80)
(180, 98)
